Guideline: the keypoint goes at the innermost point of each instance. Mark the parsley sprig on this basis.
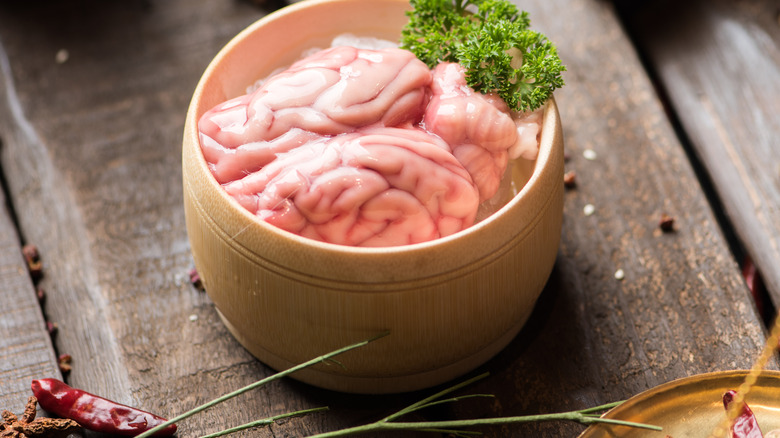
(492, 40)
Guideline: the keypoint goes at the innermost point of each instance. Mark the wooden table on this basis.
(92, 102)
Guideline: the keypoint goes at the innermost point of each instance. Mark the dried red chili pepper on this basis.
(93, 412)
(745, 425)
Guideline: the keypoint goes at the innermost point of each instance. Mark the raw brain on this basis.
(364, 147)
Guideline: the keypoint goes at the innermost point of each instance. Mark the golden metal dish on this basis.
(692, 407)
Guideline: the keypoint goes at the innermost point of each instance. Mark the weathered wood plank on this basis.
(26, 350)
(719, 64)
(96, 183)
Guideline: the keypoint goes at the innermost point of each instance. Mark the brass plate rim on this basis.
(691, 407)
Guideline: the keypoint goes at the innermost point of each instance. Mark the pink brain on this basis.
(361, 147)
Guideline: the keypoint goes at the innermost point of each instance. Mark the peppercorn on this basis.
(195, 279)
(52, 328)
(33, 259)
(64, 362)
(666, 223)
(569, 179)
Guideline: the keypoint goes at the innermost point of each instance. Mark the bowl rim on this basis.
(550, 123)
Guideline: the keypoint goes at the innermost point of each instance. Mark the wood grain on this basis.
(718, 62)
(92, 159)
(26, 350)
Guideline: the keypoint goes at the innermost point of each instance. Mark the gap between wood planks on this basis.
(9, 205)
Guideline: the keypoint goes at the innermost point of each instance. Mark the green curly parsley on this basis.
(492, 40)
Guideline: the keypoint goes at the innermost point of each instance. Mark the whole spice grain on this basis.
(52, 328)
(570, 179)
(33, 259)
(666, 223)
(195, 279)
(64, 361)
(589, 209)
(61, 56)
(28, 426)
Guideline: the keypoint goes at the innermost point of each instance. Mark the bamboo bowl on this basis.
(449, 305)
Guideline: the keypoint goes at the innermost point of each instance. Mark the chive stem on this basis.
(277, 376)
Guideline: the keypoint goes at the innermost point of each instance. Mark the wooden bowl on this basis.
(449, 304)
